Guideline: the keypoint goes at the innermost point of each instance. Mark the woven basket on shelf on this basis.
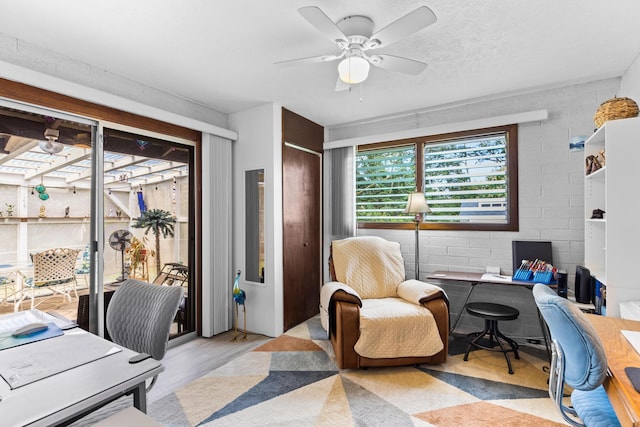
(615, 108)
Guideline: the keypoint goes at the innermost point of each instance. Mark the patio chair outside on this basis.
(54, 269)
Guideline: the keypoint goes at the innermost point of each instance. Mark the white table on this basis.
(17, 271)
(64, 396)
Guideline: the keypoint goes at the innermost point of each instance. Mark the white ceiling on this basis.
(221, 53)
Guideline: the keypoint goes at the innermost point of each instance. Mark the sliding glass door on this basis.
(73, 228)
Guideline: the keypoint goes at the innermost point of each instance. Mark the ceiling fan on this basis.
(354, 36)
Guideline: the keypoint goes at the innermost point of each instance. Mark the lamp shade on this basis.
(417, 203)
(353, 70)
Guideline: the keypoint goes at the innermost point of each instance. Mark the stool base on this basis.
(491, 330)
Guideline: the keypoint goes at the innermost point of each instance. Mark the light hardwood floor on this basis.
(183, 363)
(191, 360)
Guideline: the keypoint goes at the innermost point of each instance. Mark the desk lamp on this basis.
(417, 205)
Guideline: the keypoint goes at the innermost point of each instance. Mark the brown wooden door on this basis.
(301, 178)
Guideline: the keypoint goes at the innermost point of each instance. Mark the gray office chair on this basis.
(578, 360)
(140, 315)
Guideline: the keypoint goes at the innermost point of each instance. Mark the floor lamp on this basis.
(417, 205)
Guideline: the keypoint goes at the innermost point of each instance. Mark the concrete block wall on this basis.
(550, 179)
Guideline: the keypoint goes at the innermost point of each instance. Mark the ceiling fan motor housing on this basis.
(357, 28)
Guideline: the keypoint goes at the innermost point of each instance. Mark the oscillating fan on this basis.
(120, 240)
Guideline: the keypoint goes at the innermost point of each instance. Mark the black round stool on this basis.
(492, 314)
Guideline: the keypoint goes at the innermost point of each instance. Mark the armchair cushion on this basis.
(419, 292)
(372, 266)
(393, 327)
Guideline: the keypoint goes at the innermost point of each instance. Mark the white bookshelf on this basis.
(611, 244)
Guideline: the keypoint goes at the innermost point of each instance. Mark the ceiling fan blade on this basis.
(309, 60)
(399, 64)
(323, 23)
(342, 86)
(410, 23)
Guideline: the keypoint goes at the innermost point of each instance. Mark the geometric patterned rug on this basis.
(292, 380)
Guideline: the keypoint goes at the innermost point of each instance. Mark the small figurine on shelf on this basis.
(118, 213)
(9, 209)
(42, 212)
(66, 212)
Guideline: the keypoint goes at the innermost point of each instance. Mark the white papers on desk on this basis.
(634, 339)
(23, 365)
(11, 322)
(490, 277)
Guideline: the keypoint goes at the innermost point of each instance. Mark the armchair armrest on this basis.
(332, 292)
(419, 292)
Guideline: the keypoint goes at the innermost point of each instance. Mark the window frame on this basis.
(512, 224)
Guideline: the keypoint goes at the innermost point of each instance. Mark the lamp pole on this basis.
(417, 205)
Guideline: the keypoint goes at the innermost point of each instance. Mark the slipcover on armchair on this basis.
(374, 316)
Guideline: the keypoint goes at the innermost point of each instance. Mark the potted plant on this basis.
(138, 253)
(160, 222)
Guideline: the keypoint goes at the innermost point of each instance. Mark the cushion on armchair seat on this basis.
(393, 327)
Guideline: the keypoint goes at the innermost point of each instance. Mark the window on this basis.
(469, 180)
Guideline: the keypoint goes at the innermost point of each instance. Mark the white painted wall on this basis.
(550, 176)
(259, 146)
(42, 61)
(630, 83)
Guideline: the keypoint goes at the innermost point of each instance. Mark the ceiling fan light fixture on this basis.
(353, 70)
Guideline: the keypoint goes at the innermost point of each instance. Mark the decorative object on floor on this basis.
(354, 37)
(270, 385)
(239, 298)
(614, 109)
(492, 313)
(597, 214)
(120, 240)
(160, 222)
(578, 360)
(417, 205)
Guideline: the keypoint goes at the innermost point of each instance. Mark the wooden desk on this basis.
(624, 398)
(64, 396)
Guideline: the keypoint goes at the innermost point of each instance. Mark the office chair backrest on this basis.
(586, 363)
(140, 315)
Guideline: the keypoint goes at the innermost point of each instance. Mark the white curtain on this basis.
(216, 234)
(339, 198)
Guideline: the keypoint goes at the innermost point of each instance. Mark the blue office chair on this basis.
(578, 360)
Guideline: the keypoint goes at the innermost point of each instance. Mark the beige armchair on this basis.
(374, 316)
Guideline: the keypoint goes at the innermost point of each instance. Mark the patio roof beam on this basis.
(110, 166)
(23, 148)
(148, 171)
(61, 162)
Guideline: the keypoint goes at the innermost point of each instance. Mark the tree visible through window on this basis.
(469, 181)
